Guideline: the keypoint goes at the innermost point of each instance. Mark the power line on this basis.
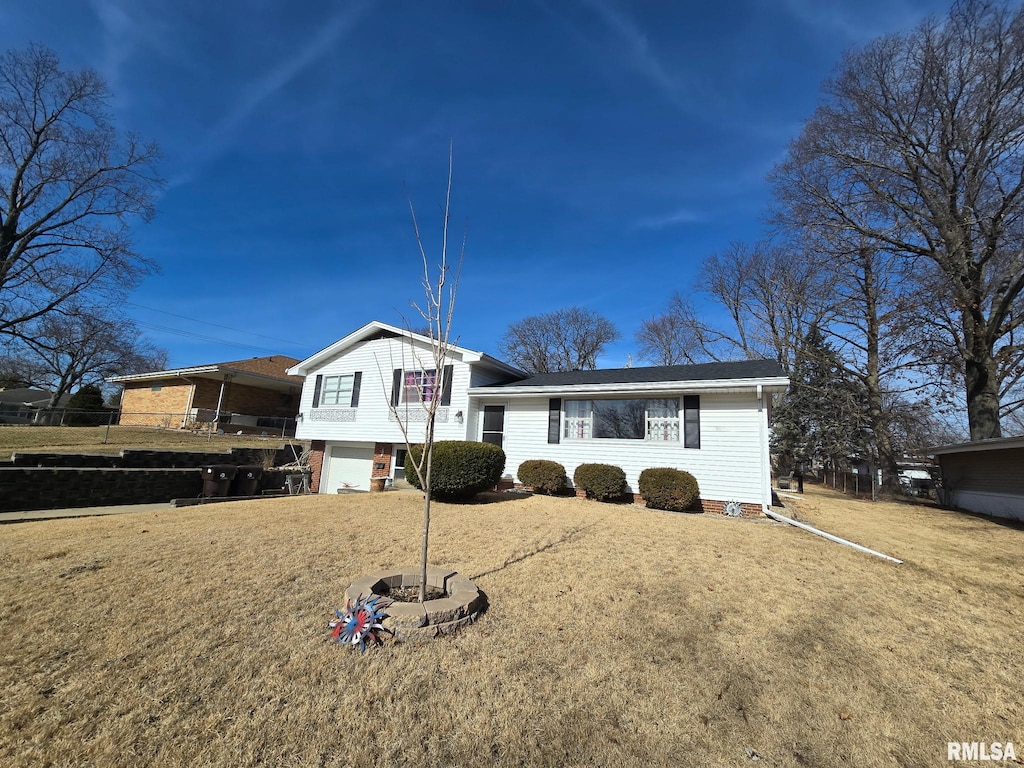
(202, 337)
(218, 325)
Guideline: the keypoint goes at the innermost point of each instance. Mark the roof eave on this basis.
(468, 355)
(770, 385)
(170, 374)
(204, 370)
(994, 444)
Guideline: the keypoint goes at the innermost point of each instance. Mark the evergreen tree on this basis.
(86, 405)
(820, 420)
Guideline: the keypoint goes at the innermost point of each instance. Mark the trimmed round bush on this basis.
(543, 476)
(668, 488)
(460, 469)
(603, 482)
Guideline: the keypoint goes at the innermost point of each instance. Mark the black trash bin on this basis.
(217, 479)
(247, 481)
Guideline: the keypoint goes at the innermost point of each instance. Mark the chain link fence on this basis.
(861, 485)
(107, 431)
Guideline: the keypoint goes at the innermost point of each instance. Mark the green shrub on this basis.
(603, 482)
(460, 469)
(543, 476)
(668, 488)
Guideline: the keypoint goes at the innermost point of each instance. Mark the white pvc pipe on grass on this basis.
(829, 536)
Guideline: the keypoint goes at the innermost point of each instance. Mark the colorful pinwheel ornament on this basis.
(361, 623)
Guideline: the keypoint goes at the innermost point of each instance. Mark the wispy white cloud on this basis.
(857, 22)
(119, 40)
(637, 52)
(263, 88)
(672, 219)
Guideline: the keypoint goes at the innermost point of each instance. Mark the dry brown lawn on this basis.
(616, 636)
(38, 439)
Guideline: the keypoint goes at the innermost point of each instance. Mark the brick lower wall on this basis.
(316, 463)
(242, 398)
(718, 507)
(140, 399)
(712, 506)
(381, 455)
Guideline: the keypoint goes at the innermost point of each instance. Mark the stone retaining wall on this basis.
(25, 488)
(142, 459)
(60, 480)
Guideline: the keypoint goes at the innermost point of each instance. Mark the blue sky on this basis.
(602, 150)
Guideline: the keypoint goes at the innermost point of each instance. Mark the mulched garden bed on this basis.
(411, 594)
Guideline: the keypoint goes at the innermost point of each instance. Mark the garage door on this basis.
(348, 467)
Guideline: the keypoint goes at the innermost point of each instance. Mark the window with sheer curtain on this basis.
(654, 419)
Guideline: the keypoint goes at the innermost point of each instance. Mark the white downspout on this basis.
(762, 421)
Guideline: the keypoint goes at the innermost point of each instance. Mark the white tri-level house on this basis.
(711, 419)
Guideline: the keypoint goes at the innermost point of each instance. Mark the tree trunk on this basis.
(428, 460)
(982, 399)
(880, 437)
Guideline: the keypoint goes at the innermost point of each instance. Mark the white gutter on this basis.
(165, 374)
(203, 370)
(829, 536)
(775, 384)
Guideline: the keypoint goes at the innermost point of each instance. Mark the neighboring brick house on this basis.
(242, 395)
(709, 419)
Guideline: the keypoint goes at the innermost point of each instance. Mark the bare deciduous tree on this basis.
(69, 187)
(919, 149)
(771, 296)
(667, 339)
(565, 340)
(426, 366)
(85, 346)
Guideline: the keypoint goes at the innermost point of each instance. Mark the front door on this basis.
(494, 424)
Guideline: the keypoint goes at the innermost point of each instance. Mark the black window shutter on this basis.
(357, 379)
(446, 393)
(691, 421)
(396, 387)
(554, 418)
(316, 390)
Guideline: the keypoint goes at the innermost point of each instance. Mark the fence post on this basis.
(106, 432)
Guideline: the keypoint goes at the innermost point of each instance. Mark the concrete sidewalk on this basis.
(56, 514)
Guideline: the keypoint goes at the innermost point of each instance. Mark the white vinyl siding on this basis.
(372, 421)
(728, 465)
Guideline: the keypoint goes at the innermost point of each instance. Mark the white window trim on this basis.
(340, 379)
(418, 386)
